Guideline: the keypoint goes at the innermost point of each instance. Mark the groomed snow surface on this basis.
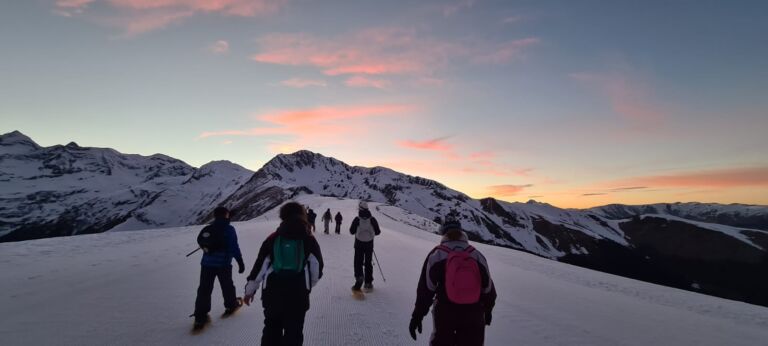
(137, 288)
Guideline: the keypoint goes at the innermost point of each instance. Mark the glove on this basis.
(414, 326)
(488, 318)
(240, 266)
(250, 290)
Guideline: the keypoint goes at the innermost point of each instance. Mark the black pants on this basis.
(283, 327)
(285, 301)
(338, 228)
(207, 277)
(364, 260)
(326, 223)
(457, 327)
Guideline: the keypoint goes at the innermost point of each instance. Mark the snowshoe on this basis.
(232, 311)
(199, 325)
(357, 293)
(367, 288)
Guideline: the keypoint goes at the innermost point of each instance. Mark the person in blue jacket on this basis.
(217, 263)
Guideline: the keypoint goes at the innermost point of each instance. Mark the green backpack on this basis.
(288, 255)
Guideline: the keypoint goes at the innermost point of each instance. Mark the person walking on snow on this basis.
(365, 228)
(338, 222)
(327, 219)
(311, 216)
(219, 243)
(289, 264)
(456, 278)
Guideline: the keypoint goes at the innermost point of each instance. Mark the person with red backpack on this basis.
(456, 278)
(289, 264)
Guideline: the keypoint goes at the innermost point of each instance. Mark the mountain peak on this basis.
(15, 138)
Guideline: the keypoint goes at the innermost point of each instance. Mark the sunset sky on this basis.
(574, 103)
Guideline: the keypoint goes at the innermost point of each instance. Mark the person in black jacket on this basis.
(338, 222)
(311, 216)
(454, 323)
(365, 228)
(285, 294)
(217, 263)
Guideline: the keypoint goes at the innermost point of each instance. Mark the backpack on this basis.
(212, 239)
(365, 230)
(462, 276)
(288, 255)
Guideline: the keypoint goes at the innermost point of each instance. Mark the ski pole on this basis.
(379, 265)
(190, 254)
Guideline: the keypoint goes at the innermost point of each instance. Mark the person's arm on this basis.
(264, 251)
(488, 293)
(316, 263)
(426, 289)
(375, 224)
(234, 248)
(353, 227)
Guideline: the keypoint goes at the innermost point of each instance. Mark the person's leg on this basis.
(338, 228)
(443, 330)
(273, 327)
(358, 265)
(369, 265)
(470, 330)
(227, 287)
(294, 328)
(204, 290)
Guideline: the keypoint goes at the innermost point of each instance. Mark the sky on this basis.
(573, 103)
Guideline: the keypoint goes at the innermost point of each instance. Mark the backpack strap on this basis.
(469, 249)
(444, 248)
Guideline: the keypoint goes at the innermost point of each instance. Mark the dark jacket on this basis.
(364, 214)
(277, 289)
(432, 283)
(338, 217)
(327, 216)
(224, 258)
(311, 216)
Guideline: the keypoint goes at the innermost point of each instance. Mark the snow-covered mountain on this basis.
(68, 189)
(65, 190)
(110, 290)
(736, 215)
(660, 248)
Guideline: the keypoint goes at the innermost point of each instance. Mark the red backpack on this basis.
(462, 276)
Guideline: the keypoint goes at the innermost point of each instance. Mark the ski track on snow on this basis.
(131, 288)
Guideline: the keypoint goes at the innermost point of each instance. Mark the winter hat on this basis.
(363, 205)
(450, 222)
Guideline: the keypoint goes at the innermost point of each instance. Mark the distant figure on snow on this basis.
(327, 219)
(289, 264)
(365, 228)
(219, 243)
(338, 222)
(311, 216)
(458, 275)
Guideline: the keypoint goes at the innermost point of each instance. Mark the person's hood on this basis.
(364, 213)
(293, 228)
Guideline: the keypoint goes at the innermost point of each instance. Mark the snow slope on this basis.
(130, 288)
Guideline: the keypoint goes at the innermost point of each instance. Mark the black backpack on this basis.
(212, 239)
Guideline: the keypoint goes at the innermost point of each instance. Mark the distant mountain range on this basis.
(68, 190)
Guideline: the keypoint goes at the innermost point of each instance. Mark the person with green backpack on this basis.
(289, 264)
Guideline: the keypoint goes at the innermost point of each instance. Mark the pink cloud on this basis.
(365, 82)
(318, 125)
(303, 83)
(716, 178)
(135, 17)
(628, 97)
(507, 190)
(506, 52)
(219, 47)
(437, 144)
(381, 51)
